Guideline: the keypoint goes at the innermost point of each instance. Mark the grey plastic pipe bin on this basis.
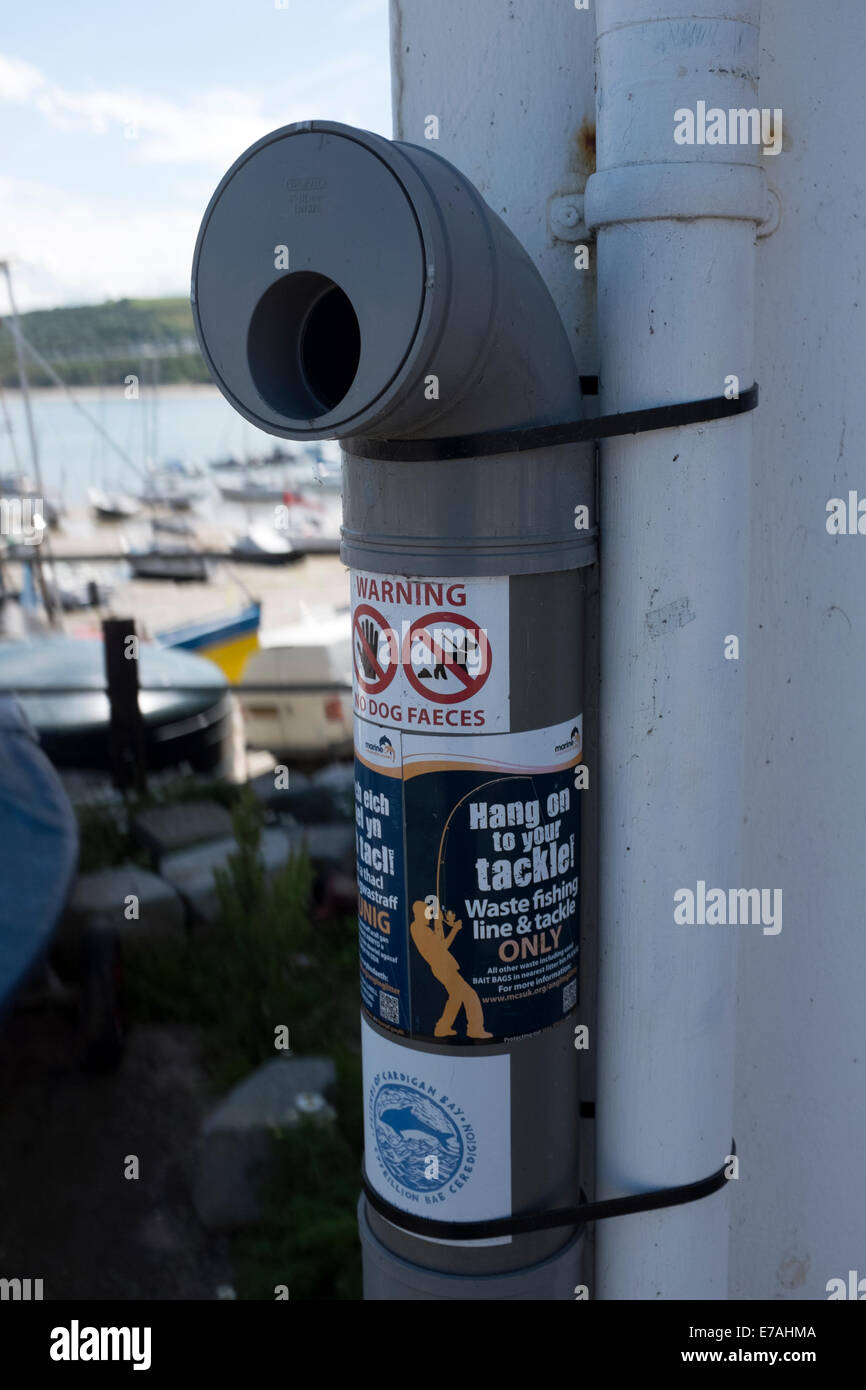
(348, 285)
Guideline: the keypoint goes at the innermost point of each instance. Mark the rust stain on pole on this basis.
(583, 153)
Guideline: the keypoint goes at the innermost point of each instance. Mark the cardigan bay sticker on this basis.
(433, 1130)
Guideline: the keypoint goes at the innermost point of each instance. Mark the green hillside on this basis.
(92, 344)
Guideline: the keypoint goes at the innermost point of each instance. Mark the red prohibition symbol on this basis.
(369, 633)
(463, 640)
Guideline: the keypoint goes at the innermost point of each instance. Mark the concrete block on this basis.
(339, 778)
(330, 846)
(191, 871)
(237, 1137)
(264, 790)
(167, 829)
(108, 901)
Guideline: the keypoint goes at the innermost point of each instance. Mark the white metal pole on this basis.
(799, 1221)
(676, 234)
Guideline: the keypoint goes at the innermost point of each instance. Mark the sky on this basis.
(117, 121)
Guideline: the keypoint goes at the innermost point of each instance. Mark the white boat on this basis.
(310, 531)
(170, 490)
(263, 545)
(252, 490)
(112, 506)
(233, 463)
(308, 711)
(172, 525)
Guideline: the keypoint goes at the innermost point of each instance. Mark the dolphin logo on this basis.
(410, 1126)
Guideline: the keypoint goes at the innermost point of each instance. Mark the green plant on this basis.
(262, 965)
(105, 836)
(308, 1238)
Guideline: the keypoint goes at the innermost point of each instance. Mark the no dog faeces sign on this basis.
(431, 654)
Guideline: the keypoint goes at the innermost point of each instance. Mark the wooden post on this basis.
(126, 731)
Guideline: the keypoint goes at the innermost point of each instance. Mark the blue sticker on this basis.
(468, 856)
(492, 896)
(417, 1141)
(381, 878)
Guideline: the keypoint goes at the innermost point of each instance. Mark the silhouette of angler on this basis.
(435, 948)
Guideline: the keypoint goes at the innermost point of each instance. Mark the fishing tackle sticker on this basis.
(470, 848)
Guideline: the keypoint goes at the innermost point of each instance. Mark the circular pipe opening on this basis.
(303, 345)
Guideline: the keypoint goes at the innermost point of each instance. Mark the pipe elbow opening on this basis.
(304, 345)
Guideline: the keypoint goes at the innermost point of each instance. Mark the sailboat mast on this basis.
(47, 597)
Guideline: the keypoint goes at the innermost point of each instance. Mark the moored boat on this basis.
(184, 703)
(112, 506)
(252, 490)
(308, 711)
(264, 545)
(227, 639)
(167, 560)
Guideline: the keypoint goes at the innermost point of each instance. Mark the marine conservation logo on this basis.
(383, 749)
(423, 1144)
(573, 741)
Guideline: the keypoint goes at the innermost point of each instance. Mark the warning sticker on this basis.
(431, 654)
(375, 652)
(449, 658)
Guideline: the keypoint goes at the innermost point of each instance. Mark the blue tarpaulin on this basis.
(38, 849)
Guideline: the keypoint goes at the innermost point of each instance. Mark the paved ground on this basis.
(67, 1213)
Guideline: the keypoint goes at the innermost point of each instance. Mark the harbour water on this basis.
(191, 423)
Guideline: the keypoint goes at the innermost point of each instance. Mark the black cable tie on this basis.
(546, 1220)
(461, 446)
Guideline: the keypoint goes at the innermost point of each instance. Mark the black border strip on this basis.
(462, 446)
(546, 1220)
